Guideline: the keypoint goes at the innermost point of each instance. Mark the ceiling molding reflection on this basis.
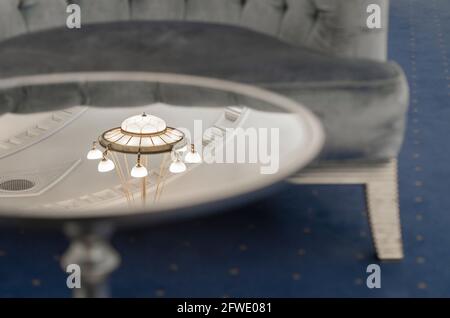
(40, 131)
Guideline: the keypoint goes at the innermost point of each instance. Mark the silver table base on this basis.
(91, 250)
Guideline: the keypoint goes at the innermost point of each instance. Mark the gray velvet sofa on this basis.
(318, 52)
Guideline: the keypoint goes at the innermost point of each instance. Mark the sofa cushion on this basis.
(362, 103)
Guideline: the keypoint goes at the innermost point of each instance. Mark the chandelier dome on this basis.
(143, 125)
(143, 134)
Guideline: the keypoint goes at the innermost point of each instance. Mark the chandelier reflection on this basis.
(143, 136)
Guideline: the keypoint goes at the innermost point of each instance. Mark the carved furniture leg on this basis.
(91, 250)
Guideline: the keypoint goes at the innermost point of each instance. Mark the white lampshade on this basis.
(193, 157)
(105, 165)
(143, 124)
(177, 166)
(139, 171)
(94, 154)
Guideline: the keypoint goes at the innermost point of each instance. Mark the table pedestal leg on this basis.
(91, 250)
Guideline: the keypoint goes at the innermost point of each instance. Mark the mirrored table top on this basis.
(143, 144)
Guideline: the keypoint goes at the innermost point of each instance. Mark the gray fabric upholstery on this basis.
(361, 102)
(335, 27)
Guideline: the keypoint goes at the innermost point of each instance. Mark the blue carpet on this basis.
(305, 241)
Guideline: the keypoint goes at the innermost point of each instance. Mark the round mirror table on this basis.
(92, 152)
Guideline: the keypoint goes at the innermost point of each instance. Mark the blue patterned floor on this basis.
(304, 241)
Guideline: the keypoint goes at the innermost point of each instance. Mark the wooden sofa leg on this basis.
(380, 180)
(384, 213)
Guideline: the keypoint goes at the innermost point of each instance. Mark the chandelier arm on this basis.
(144, 181)
(164, 177)
(161, 169)
(127, 166)
(121, 177)
(144, 191)
(161, 187)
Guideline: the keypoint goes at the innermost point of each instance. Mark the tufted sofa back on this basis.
(334, 26)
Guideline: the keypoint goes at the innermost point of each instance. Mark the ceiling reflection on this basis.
(85, 159)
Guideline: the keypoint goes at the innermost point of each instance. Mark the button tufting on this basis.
(24, 4)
